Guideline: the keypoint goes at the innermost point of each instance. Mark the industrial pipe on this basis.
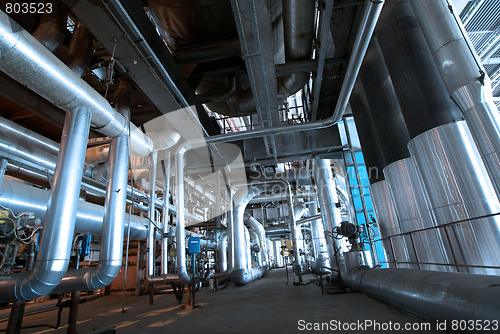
(24, 59)
(465, 78)
(261, 234)
(80, 47)
(111, 253)
(59, 222)
(430, 294)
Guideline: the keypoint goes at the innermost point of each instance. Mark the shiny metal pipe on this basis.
(111, 253)
(320, 246)
(430, 294)
(410, 206)
(222, 251)
(165, 214)
(151, 241)
(465, 78)
(59, 222)
(80, 48)
(26, 60)
(458, 187)
(328, 200)
(261, 234)
(20, 198)
(388, 224)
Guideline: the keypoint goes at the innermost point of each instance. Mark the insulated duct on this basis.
(261, 234)
(449, 164)
(321, 256)
(465, 78)
(410, 206)
(24, 59)
(328, 199)
(80, 48)
(242, 274)
(430, 294)
(388, 225)
(59, 221)
(111, 252)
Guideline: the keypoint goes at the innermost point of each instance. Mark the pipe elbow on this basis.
(184, 276)
(102, 275)
(36, 283)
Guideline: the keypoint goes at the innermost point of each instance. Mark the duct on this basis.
(110, 255)
(327, 196)
(388, 225)
(430, 294)
(52, 29)
(458, 187)
(465, 78)
(27, 61)
(320, 247)
(261, 234)
(80, 47)
(59, 222)
(410, 207)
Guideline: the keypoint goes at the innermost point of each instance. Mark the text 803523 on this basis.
(28, 8)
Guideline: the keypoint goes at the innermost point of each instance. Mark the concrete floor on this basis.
(267, 305)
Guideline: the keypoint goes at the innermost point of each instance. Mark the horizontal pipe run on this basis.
(430, 294)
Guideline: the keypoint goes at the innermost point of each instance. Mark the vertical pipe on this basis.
(321, 257)
(3, 168)
(165, 214)
(465, 78)
(73, 312)
(150, 265)
(331, 215)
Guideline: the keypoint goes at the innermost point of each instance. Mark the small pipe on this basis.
(150, 267)
(165, 216)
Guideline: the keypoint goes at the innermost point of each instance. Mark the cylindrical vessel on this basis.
(450, 165)
(388, 225)
(410, 206)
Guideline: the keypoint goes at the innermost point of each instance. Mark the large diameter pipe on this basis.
(465, 78)
(327, 196)
(110, 256)
(320, 246)
(26, 60)
(59, 222)
(410, 206)
(459, 190)
(430, 294)
(261, 234)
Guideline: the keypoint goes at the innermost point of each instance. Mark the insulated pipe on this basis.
(111, 253)
(298, 32)
(24, 59)
(321, 257)
(465, 78)
(52, 29)
(430, 294)
(261, 234)
(410, 200)
(20, 197)
(151, 241)
(222, 251)
(388, 224)
(242, 274)
(402, 42)
(327, 196)
(59, 222)
(450, 165)
(165, 216)
(97, 154)
(308, 219)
